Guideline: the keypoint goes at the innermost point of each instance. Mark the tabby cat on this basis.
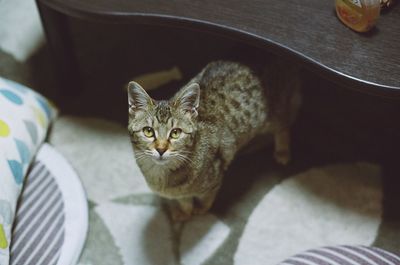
(184, 145)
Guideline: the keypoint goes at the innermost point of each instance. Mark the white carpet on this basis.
(333, 205)
(337, 204)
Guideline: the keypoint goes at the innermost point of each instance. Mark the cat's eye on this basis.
(175, 133)
(148, 132)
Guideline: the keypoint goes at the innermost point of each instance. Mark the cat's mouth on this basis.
(160, 160)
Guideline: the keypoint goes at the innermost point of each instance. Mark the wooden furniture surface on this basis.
(307, 31)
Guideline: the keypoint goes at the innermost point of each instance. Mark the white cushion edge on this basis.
(75, 203)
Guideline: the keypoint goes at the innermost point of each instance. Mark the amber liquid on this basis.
(359, 18)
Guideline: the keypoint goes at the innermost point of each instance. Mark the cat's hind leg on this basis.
(282, 146)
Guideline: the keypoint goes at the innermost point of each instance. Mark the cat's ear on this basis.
(138, 98)
(188, 99)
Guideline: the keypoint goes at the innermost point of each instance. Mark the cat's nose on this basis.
(161, 151)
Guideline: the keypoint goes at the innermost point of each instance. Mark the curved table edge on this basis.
(351, 82)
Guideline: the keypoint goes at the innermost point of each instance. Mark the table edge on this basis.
(350, 82)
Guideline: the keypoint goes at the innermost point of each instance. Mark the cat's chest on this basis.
(167, 182)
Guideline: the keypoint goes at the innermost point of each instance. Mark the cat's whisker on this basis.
(181, 152)
(141, 155)
(182, 158)
(184, 152)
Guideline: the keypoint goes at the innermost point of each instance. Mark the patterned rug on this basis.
(263, 214)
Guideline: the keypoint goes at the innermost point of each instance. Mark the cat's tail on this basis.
(154, 80)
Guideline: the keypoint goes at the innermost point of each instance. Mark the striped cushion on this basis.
(38, 232)
(344, 255)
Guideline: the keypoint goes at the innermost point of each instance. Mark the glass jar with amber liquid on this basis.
(359, 15)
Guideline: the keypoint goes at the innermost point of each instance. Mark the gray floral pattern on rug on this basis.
(263, 214)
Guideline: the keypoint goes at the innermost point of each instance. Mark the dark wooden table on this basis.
(307, 31)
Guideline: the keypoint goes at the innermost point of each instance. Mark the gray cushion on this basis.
(344, 255)
(38, 232)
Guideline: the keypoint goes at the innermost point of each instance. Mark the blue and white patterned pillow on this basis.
(25, 117)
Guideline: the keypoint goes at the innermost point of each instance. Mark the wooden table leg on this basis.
(62, 50)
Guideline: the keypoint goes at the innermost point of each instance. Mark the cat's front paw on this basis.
(178, 215)
(282, 157)
(200, 210)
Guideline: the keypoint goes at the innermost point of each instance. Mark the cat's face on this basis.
(162, 131)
